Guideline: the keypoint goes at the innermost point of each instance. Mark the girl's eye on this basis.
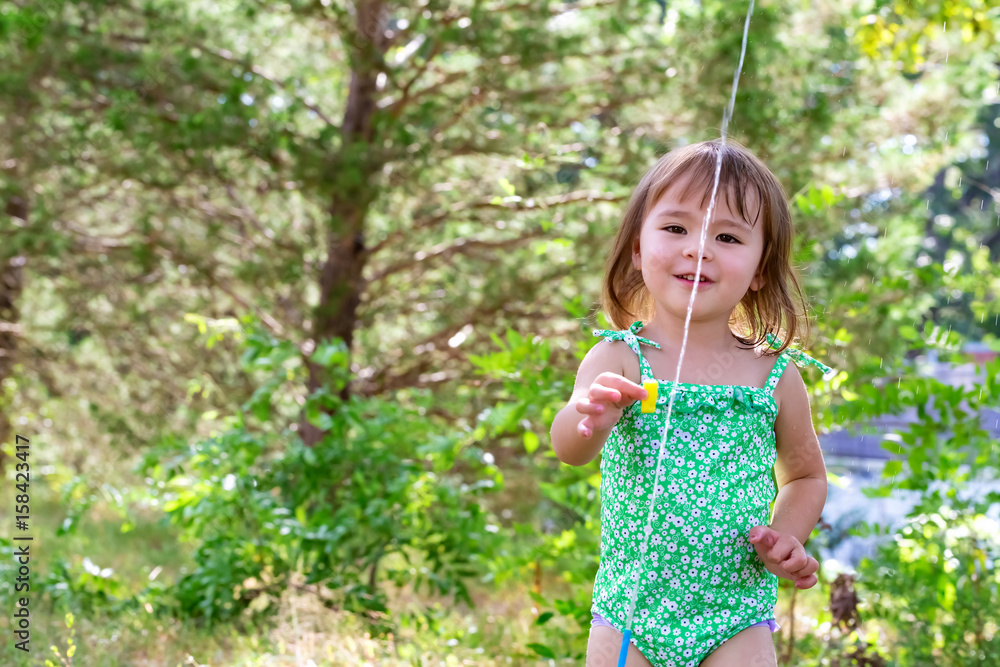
(734, 239)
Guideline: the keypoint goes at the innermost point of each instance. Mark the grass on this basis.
(303, 633)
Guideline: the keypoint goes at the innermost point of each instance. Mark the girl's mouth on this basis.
(703, 283)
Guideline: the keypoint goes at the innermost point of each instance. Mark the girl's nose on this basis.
(691, 247)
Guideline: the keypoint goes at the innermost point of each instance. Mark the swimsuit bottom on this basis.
(599, 620)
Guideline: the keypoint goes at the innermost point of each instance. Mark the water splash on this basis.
(687, 321)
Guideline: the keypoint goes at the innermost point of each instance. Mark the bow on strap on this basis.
(628, 335)
(801, 358)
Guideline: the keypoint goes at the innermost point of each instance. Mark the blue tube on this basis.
(624, 654)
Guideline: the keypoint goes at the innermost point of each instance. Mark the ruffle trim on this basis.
(690, 398)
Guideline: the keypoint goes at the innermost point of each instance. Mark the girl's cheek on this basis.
(657, 251)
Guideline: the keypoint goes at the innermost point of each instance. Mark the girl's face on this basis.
(667, 247)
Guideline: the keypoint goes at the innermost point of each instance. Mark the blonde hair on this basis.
(771, 309)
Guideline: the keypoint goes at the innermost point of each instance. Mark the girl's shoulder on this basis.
(786, 372)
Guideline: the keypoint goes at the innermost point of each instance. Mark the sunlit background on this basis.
(290, 294)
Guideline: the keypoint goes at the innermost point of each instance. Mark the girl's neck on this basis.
(703, 337)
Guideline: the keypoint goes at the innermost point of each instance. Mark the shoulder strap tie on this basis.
(627, 335)
(800, 358)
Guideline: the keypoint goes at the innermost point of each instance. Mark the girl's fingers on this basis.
(806, 582)
(589, 408)
(795, 562)
(779, 553)
(602, 393)
(796, 570)
(602, 398)
(810, 566)
(627, 389)
(615, 388)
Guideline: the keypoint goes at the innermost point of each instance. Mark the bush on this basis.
(261, 506)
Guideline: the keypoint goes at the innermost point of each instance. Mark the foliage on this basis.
(937, 588)
(380, 485)
(935, 582)
(173, 158)
(904, 29)
(561, 534)
(70, 647)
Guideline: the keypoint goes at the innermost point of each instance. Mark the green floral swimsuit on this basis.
(701, 580)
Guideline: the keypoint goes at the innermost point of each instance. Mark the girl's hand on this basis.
(783, 555)
(607, 398)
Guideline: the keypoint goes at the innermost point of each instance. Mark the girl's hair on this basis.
(768, 310)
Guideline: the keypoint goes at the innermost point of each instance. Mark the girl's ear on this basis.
(757, 283)
(636, 256)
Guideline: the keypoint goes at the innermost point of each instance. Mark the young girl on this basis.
(707, 571)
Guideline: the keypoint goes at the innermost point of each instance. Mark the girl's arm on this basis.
(799, 469)
(604, 393)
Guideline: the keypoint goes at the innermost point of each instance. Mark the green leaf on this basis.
(539, 600)
(542, 650)
(196, 319)
(892, 468)
(262, 408)
(321, 420)
(827, 195)
(530, 442)
(544, 618)
(329, 354)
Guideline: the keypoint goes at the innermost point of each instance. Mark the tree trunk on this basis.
(341, 279)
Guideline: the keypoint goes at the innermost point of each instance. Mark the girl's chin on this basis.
(677, 305)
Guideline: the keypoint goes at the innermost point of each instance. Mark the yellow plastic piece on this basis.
(649, 403)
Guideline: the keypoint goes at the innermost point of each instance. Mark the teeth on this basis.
(690, 276)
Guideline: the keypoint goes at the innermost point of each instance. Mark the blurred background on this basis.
(290, 293)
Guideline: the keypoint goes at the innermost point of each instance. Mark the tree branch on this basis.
(250, 215)
(396, 108)
(382, 381)
(461, 246)
(529, 205)
(556, 9)
(94, 244)
(410, 377)
(992, 192)
(228, 55)
(214, 281)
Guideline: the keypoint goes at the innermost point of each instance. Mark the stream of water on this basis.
(687, 322)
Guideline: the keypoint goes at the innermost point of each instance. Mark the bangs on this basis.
(740, 181)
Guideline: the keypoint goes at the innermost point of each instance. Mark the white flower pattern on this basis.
(715, 484)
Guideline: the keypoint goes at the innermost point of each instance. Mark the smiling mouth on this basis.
(704, 280)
